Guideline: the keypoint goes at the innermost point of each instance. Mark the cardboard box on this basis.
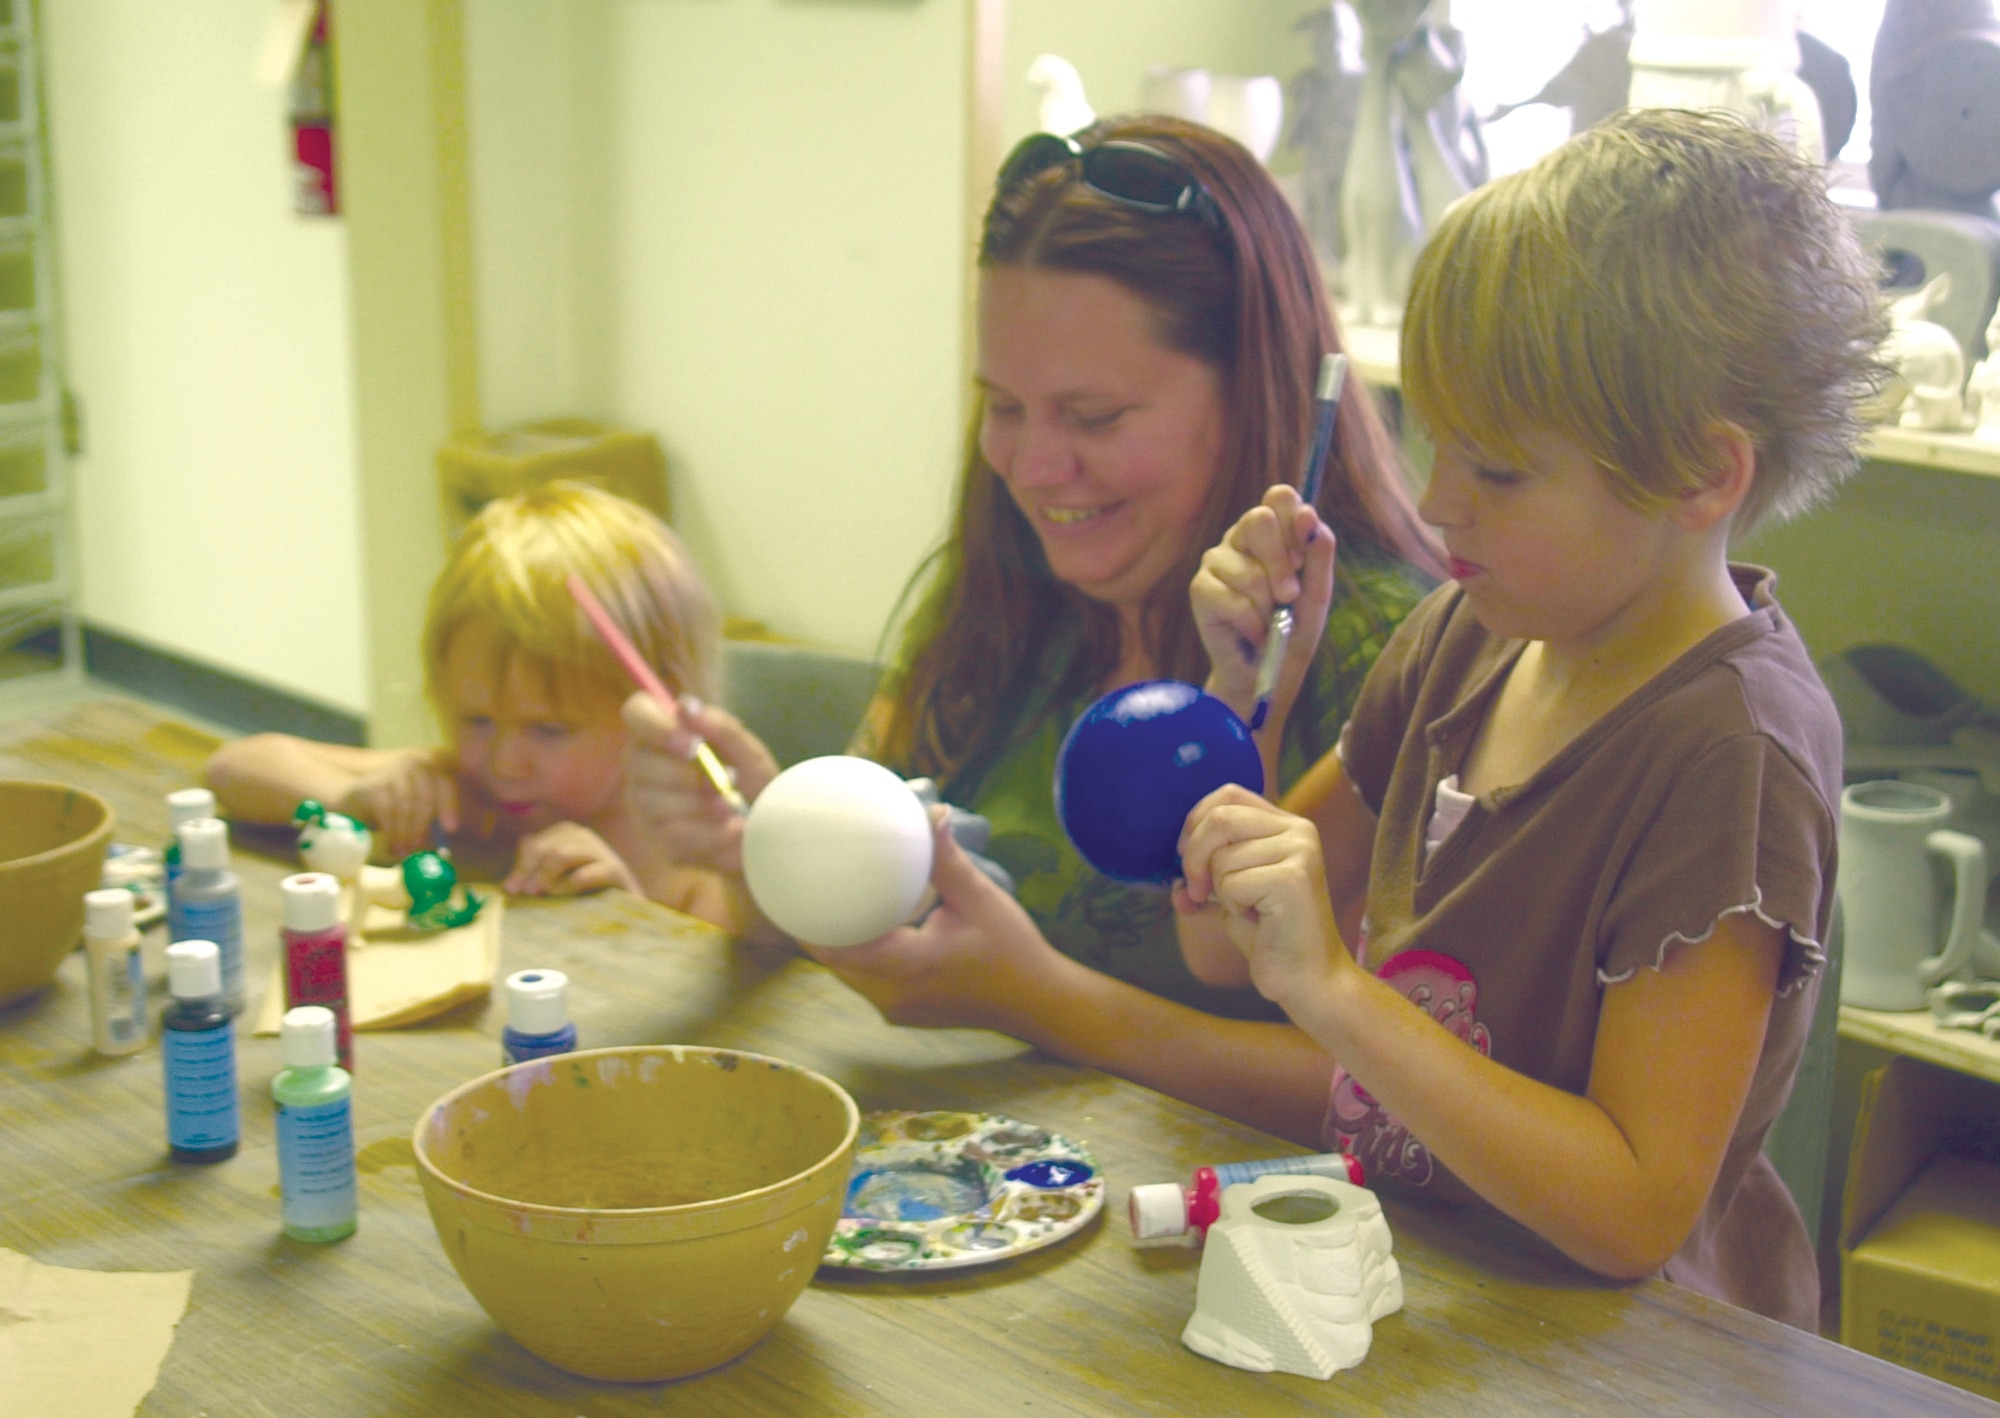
(1920, 1226)
(472, 471)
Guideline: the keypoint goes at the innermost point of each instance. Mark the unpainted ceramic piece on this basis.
(1294, 1276)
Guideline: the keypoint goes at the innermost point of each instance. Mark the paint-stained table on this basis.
(1493, 1323)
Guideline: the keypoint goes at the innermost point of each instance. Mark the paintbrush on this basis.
(1332, 375)
(643, 676)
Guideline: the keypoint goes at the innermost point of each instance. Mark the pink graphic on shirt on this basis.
(1355, 1123)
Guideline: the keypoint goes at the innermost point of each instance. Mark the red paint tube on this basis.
(1169, 1211)
(315, 941)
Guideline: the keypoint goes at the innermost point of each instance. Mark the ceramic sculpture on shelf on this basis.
(1416, 150)
(1935, 142)
(1739, 55)
(1293, 1277)
(1322, 102)
(1929, 366)
(1982, 390)
(1593, 84)
(1064, 108)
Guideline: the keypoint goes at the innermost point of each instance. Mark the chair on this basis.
(802, 701)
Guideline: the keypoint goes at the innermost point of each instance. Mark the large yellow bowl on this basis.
(640, 1213)
(52, 841)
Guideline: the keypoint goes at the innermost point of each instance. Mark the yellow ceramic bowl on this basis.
(639, 1213)
(52, 841)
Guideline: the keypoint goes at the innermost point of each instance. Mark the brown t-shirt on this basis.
(1710, 790)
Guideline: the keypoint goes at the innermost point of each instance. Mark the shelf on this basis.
(1916, 1035)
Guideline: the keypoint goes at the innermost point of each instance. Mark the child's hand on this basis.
(1279, 553)
(1261, 868)
(567, 859)
(401, 799)
(671, 798)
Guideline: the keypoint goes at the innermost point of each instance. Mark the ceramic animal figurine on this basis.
(1416, 149)
(332, 842)
(1064, 109)
(1929, 365)
(431, 881)
(1592, 86)
(1935, 138)
(1982, 390)
(1322, 102)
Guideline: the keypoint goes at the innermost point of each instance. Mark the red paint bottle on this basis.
(315, 941)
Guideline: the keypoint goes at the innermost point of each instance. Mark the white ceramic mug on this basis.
(1889, 831)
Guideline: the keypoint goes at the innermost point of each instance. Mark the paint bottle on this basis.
(198, 1049)
(315, 942)
(183, 805)
(117, 972)
(210, 899)
(537, 1016)
(1163, 1211)
(315, 1098)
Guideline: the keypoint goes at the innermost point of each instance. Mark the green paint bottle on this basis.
(315, 1100)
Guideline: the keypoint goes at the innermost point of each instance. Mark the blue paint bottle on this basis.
(209, 897)
(198, 1049)
(315, 1099)
(537, 1016)
(183, 805)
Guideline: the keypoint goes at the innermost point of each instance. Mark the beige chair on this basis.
(801, 700)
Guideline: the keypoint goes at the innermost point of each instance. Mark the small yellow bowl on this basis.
(639, 1213)
(52, 842)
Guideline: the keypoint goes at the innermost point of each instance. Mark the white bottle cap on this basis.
(1158, 1210)
(107, 913)
(194, 969)
(537, 1001)
(204, 844)
(312, 902)
(186, 804)
(306, 1037)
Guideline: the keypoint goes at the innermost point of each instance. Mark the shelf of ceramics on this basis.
(1915, 1034)
(1377, 360)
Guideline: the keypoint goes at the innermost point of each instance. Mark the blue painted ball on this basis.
(1133, 766)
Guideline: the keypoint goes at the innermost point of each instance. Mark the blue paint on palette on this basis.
(1133, 766)
(914, 1193)
(1051, 1174)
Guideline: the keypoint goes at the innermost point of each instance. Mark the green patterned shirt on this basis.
(1126, 930)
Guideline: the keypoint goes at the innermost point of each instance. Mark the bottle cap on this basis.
(537, 1001)
(194, 969)
(186, 804)
(306, 1037)
(1159, 1210)
(107, 913)
(204, 844)
(312, 902)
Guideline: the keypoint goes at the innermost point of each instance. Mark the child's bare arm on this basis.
(399, 792)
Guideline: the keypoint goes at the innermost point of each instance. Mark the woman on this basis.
(1151, 325)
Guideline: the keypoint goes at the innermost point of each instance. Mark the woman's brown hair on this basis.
(1246, 299)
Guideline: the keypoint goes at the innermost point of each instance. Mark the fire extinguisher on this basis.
(313, 189)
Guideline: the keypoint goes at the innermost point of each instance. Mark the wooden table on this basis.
(1494, 1322)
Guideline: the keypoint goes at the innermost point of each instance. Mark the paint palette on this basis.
(941, 1190)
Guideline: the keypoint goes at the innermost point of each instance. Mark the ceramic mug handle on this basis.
(1967, 856)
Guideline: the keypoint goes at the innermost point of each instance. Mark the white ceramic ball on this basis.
(837, 850)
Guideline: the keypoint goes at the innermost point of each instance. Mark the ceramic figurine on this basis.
(1064, 109)
(1416, 149)
(1294, 1277)
(332, 842)
(1935, 140)
(1929, 365)
(1592, 86)
(1982, 389)
(431, 882)
(1739, 55)
(1323, 101)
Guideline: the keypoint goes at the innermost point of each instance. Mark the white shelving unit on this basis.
(38, 623)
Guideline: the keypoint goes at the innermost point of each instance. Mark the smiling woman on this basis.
(1151, 325)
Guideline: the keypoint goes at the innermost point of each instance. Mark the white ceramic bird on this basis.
(332, 842)
(1064, 107)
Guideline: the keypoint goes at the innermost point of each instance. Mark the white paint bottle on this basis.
(117, 972)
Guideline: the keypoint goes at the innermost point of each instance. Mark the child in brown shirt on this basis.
(1587, 795)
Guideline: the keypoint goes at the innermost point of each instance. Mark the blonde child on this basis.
(530, 782)
(1587, 795)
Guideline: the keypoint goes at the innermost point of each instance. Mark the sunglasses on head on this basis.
(1135, 174)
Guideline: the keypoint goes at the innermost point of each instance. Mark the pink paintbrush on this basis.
(643, 676)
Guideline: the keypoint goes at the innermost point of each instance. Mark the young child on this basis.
(529, 784)
(1588, 792)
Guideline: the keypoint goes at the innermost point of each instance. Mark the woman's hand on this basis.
(402, 797)
(1261, 868)
(669, 796)
(1279, 553)
(967, 965)
(567, 859)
